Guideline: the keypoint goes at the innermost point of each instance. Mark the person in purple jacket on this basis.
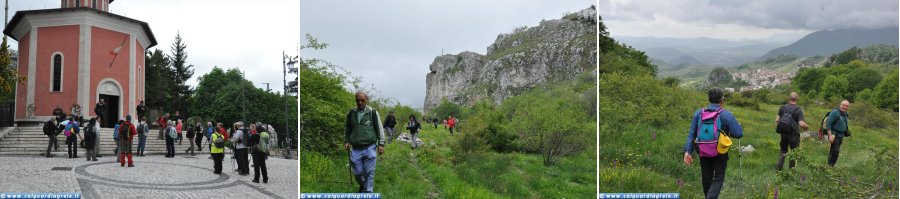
(712, 168)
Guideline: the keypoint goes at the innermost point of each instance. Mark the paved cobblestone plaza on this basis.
(151, 177)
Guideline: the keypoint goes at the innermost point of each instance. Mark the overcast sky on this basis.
(249, 35)
(740, 19)
(391, 43)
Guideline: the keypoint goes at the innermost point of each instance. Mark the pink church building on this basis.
(79, 53)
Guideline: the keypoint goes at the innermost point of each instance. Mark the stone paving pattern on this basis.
(152, 177)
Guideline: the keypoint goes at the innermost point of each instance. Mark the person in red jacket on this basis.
(127, 131)
(222, 131)
(161, 121)
(451, 122)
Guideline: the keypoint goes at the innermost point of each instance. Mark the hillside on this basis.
(555, 50)
(826, 42)
(706, 51)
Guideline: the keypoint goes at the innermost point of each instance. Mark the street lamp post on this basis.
(288, 62)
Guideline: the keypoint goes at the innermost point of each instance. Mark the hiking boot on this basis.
(265, 180)
(95, 159)
(255, 181)
(130, 165)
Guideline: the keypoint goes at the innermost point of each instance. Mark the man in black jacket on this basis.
(141, 109)
(50, 131)
(389, 123)
(100, 111)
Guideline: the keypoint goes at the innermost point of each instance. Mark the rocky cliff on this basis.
(555, 50)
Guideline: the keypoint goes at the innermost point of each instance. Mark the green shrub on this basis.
(869, 116)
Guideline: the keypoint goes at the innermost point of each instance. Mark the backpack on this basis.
(171, 131)
(787, 124)
(68, 130)
(219, 143)
(707, 138)
(245, 137)
(124, 133)
(47, 126)
(89, 132)
(824, 131)
(190, 133)
(263, 145)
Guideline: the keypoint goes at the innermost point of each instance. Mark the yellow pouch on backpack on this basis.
(724, 143)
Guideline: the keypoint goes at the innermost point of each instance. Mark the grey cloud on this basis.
(799, 14)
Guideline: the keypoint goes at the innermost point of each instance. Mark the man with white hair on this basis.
(363, 137)
(838, 128)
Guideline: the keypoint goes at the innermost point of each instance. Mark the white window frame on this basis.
(62, 68)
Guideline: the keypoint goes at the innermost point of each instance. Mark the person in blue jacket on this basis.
(713, 168)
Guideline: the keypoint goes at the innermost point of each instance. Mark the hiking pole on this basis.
(740, 162)
(350, 168)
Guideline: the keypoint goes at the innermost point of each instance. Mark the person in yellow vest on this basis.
(217, 151)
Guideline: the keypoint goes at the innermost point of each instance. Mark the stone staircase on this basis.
(32, 141)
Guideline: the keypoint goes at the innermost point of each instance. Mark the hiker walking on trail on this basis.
(838, 128)
(127, 131)
(362, 136)
(451, 123)
(710, 126)
(50, 130)
(789, 122)
(413, 126)
(198, 136)
(389, 123)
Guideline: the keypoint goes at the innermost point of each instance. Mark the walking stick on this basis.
(350, 167)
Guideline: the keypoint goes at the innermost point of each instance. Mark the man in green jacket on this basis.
(836, 124)
(362, 134)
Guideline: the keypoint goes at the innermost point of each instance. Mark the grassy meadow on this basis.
(647, 159)
(432, 172)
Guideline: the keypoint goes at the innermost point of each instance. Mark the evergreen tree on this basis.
(181, 72)
(158, 77)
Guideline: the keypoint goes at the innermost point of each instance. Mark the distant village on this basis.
(761, 78)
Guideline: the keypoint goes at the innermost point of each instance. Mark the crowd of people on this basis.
(246, 141)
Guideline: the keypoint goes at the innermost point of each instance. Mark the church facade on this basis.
(78, 54)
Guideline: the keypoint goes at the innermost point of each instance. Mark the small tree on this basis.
(550, 125)
(835, 87)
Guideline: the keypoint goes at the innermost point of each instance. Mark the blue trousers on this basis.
(363, 161)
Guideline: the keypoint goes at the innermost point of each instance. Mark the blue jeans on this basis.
(390, 134)
(363, 161)
(142, 141)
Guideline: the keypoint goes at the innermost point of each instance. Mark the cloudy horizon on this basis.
(770, 20)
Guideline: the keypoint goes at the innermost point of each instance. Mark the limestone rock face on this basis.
(555, 50)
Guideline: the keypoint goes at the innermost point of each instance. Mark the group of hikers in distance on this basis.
(712, 128)
(253, 140)
(364, 138)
